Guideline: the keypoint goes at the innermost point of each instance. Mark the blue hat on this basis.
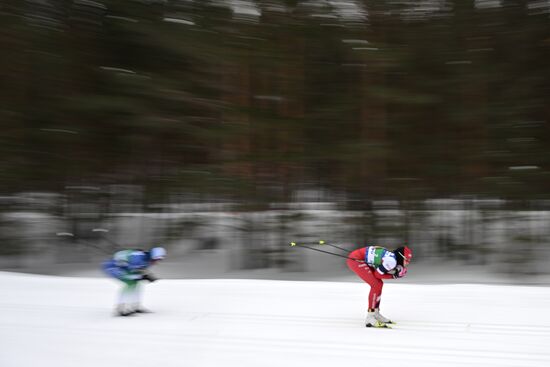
(157, 253)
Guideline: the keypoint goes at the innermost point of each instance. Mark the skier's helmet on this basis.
(157, 253)
(404, 255)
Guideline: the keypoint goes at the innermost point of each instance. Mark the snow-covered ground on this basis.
(50, 321)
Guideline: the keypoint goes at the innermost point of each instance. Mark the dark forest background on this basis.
(381, 100)
(252, 101)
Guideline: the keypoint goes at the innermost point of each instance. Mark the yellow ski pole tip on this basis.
(293, 244)
(321, 242)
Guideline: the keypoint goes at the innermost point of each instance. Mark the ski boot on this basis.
(378, 316)
(371, 321)
(124, 310)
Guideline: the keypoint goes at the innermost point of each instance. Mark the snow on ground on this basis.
(51, 321)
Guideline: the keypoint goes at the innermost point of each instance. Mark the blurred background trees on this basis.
(251, 101)
(378, 99)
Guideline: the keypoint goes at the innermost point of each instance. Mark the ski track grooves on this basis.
(231, 342)
(267, 324)
(322, 322)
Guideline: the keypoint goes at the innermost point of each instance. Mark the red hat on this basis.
(405, 253)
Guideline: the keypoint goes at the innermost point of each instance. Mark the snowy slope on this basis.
(57, 322)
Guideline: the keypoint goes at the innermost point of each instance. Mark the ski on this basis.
(378, 325)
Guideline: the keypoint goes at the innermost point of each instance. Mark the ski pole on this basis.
(293, 244)
(322, 242)
(332, 245)
(69, 234)
(103, 230)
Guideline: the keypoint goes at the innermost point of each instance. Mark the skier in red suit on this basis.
(373, 264)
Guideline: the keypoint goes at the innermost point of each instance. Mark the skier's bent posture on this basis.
(373, 264)
(131, 267)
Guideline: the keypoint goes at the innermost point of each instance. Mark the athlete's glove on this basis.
(400, 272)
(149, 277)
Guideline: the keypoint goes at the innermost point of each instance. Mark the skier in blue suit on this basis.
(131, 267)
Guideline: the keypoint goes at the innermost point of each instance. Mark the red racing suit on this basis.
(374, 277)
